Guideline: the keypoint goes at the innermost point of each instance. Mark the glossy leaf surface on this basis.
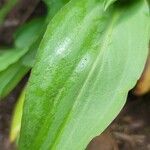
(87, 62)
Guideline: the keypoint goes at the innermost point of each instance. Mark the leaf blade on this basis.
(77, 71)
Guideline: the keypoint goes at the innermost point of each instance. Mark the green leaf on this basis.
(87, 62)
(10, 77)
(27, 34)
(9, 57)
(12, 65)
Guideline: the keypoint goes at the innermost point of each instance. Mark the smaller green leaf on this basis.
(16, 119)
(29, 58)
(27, 34)
(10, 56)
(12, 61)
(24, 37)
(10, 77)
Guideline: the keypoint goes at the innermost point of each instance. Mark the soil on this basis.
(129, 131)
